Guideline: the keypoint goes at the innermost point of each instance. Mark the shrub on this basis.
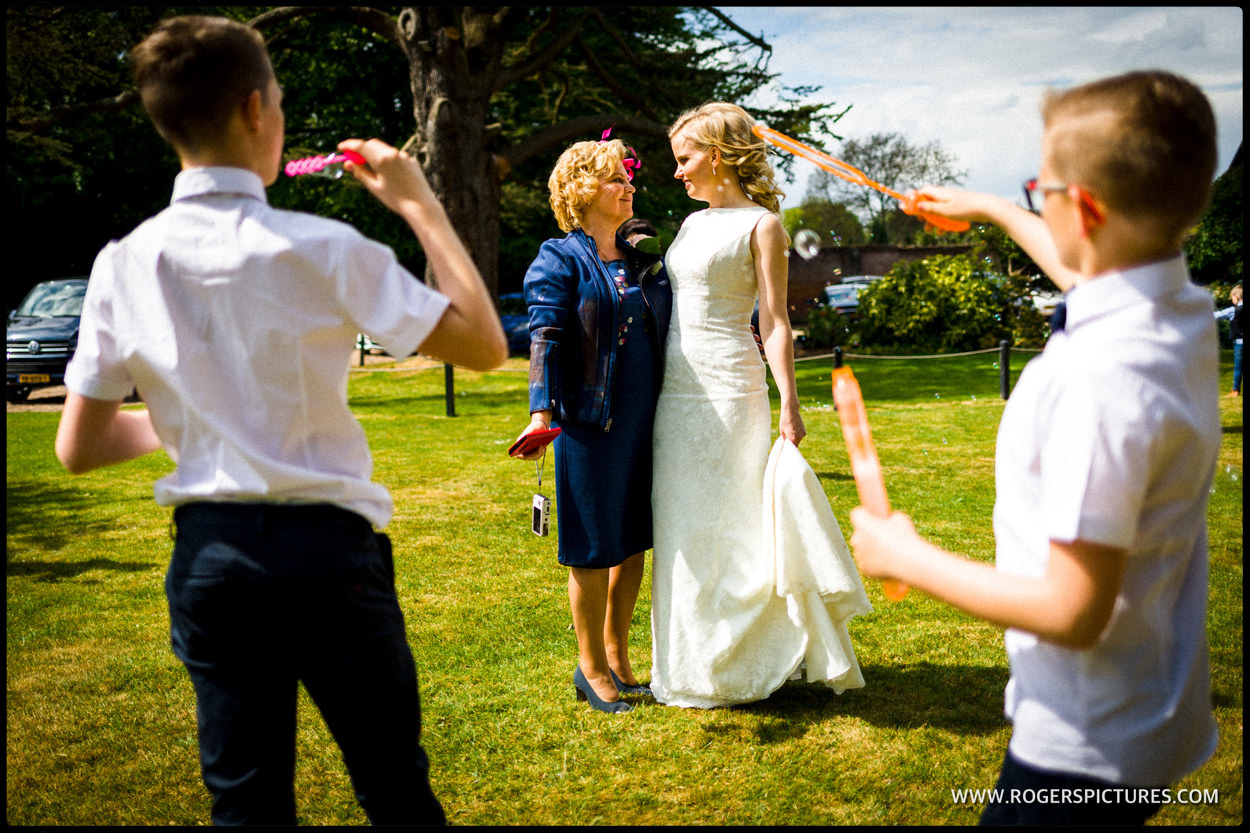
(826, 327)
(947, 304)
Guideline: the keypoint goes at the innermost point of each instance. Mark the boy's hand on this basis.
(877, 543)
(392, 176)
(958, 204)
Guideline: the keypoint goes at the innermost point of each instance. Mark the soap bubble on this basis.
(807, 243)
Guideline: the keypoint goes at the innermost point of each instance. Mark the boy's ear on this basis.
(1092, 212)
(252, 111)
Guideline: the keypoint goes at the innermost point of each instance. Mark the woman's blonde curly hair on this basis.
(576, 177)
(729, 129)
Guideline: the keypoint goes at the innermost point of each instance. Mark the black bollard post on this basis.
(449, 387)
(1004, 368)
(837, 362)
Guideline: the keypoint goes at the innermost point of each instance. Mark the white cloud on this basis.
(972, 78)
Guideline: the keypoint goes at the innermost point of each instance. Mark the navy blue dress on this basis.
(603, 478)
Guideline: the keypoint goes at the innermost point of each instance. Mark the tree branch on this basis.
(373, 19)
(582, 127)
(537, 61)
(610, 82)
(35, 124)
(757, 41)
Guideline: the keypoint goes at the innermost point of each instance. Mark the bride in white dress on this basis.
(752, 579)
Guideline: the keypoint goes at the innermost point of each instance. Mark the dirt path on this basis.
(41, 399)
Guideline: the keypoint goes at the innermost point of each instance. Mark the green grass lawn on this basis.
(101, 716)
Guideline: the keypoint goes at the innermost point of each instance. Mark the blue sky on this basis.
(972, 78)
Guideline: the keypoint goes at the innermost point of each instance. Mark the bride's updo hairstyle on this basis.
(576, 177)
(728, 128)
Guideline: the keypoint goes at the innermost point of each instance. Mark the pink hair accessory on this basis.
(631, 162)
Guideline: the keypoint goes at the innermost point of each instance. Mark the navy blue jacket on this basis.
(575, 315)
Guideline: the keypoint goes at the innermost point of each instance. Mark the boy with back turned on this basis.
(1106, 453)
(236, 323)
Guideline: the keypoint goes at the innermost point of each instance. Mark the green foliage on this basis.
(73, 185)
(836, 224)
(1214, 250)
(91, 175)
(945, 304)
(826, 327)
(661, 60)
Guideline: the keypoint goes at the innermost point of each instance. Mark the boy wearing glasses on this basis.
(1105, 458)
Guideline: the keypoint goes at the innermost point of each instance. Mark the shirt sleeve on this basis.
(385, 300)
(97, 370)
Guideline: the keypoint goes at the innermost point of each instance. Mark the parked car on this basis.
(1045, 302)
(514, 314)
(844, 297)
(41, 336)
(367, 344)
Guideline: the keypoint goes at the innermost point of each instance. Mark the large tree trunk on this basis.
(454, 53)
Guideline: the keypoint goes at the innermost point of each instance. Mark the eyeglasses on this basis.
(1033, 185)
(1076, 192)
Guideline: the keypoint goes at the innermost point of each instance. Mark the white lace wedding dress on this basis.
(751, 578)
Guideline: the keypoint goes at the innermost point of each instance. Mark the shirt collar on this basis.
(198, 182)
(1116, 289)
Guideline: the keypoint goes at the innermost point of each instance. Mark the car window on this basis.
(53, 300)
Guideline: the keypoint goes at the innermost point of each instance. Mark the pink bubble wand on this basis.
(330, 165)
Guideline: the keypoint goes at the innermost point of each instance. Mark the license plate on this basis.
(33, 378)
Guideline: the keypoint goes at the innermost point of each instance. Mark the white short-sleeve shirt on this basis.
(236, 322)
(1111, 437)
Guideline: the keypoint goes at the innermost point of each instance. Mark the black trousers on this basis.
(1034, 797)
(263, 597)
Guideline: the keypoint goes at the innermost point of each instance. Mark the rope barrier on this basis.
(1004, 351)
(912, 358)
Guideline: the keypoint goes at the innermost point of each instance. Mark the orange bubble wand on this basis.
(865, 465)
(852, 174)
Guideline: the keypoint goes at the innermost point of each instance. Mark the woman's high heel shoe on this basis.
(639, 688)
(585, 692)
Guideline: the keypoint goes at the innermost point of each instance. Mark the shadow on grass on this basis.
(53, 572)
(45, 518)
(960, 698)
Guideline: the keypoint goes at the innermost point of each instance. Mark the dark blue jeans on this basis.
(1036, 797)
(264, 597)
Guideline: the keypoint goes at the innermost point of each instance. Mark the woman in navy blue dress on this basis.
(598, 315)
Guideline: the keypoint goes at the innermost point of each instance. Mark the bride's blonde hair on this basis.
(729, 129)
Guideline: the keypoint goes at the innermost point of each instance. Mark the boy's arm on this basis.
(1026, 228)
(469, 333)
(95, 433)
(1070, 605)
